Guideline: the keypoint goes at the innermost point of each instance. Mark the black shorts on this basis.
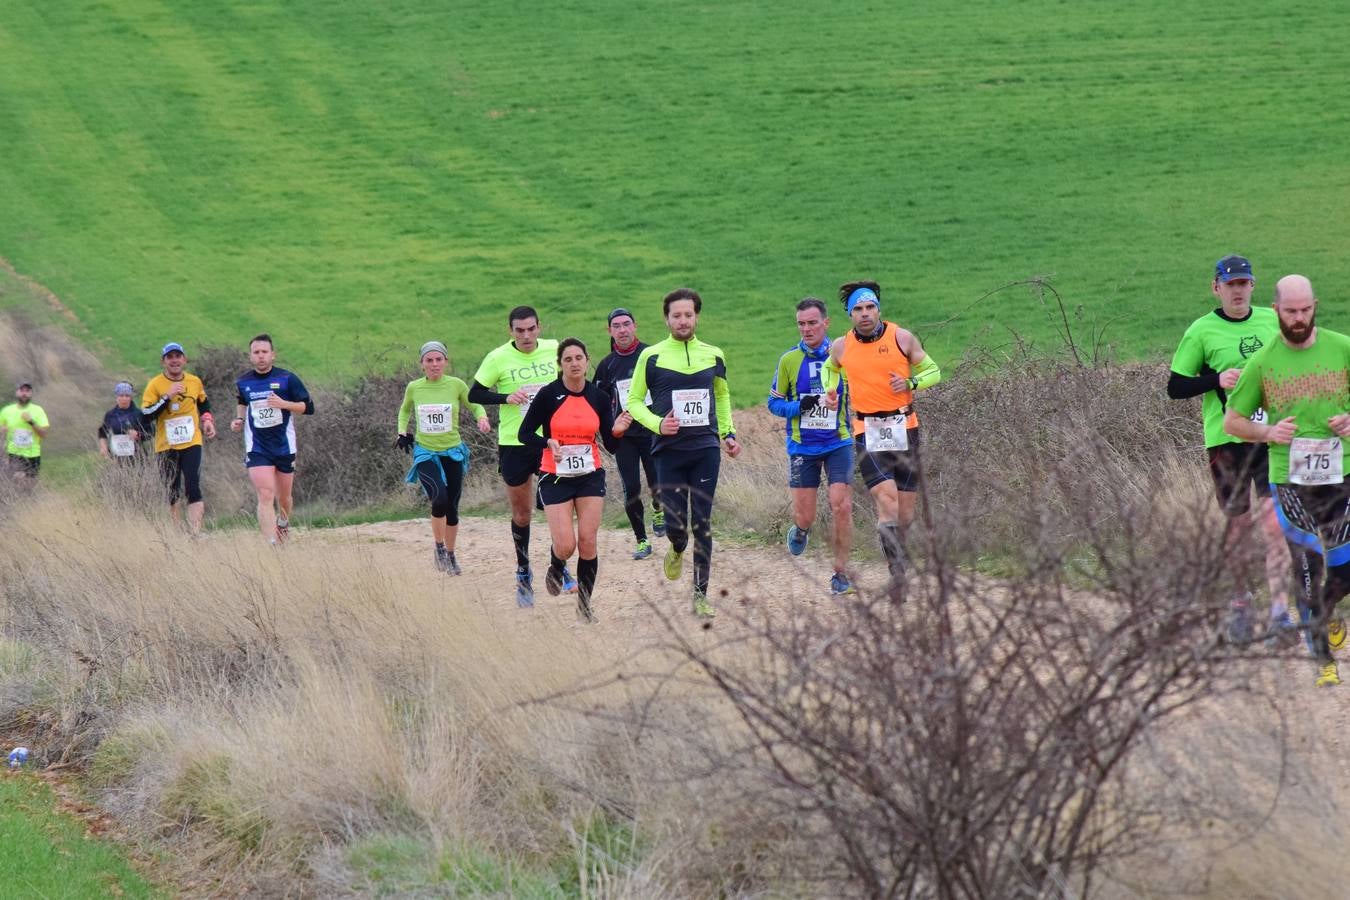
(284, 463)
(553, 489)
(516, 463)
(25, 465)
(900, 465)
(1233, 467)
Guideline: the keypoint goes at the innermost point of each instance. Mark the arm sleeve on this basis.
(103, 430)
(300, 394)
(476, 408)
(722, 393)
(151, 402)
(204, 406)
(829, 374)
(405, 410)
(1181, 387)
(637, 394)
(534, 425)
(779, 404)
(239, 394)
(481, 393)
(926, 373)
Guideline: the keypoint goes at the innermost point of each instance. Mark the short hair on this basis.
(813, 303)
(571, 342)
(849, 287)
(262, 337)
(682, 294)
(521, 313)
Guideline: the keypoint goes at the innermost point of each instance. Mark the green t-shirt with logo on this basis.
(20, 438)
(1216, 343)
(432, 409)
(1312, 385)
(507, 370)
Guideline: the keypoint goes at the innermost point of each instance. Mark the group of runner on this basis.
(1276, 390)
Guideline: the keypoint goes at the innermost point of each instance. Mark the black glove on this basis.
(809, 402)
(404, 443)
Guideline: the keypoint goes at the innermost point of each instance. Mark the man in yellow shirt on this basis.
(23, 425)
(176, 401)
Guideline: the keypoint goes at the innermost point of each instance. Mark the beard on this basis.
(1297, 334)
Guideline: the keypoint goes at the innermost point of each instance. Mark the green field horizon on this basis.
(358, 178)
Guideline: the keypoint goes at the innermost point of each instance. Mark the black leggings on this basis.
(182, 472)
(686, 481)
(442, 492)
(634, 458)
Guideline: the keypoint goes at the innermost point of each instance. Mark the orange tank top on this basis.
(868, 368)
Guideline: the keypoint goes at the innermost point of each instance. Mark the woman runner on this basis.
(428, 429)
(570, 413)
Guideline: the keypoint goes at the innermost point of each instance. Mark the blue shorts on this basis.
(283, 462)
(804, 471)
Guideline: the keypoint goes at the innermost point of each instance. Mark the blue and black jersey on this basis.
(267, 429)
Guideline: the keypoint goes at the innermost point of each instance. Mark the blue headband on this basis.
(859, 296)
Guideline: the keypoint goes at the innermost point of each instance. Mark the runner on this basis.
(1207, 363)
(613, 377)
(884, 364)
(690, 415)
(818, 437)
(509, 377)
(123, 428)
(23, 424)
(176, 400)
(268, 400)
(1302, 381)
(428, 425)
(563, 422)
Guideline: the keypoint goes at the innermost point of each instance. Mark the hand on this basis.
(1228, 378)
(484, 425)
(1340, 424)
(209, 427)
(1281, 432)
(899, 384)
(554, 447)
(809, 402)
(621, 423)
(27, 417)
(733, 446)
(134, 434)
(237, 424)
(518, 397)
(103, 452)
(404, 442)
(832, 398)
(276, 402)
(175, 389)
(670, 425)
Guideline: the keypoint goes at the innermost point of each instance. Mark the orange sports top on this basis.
(868, 368)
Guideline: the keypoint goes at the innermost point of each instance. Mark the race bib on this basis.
(623, 387)
(264, 416)
(22, 438)
(435, 418)
(885, 434)
(121, 445)
(1259, 417)
(179, 430)
(821, 418)
(1316, 461)
(690, 406)
(574, 459)
(531, 391)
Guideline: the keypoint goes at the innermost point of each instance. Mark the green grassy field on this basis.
(357, 177)
(46, 854)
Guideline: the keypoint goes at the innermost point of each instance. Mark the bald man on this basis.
(1303, 382)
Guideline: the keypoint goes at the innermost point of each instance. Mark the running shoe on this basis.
(644, 550)
(674, 564)
(1336, 633)
(796, 539)
(1282, 632)
(524, 588)
(584, 611)
(1328, 676)
(283, 528)
(839, 584)
(569, 584)
(702, 608)
(659, 522)
(553, 581)
(452, 564)
(442, 559)
(1240, 628)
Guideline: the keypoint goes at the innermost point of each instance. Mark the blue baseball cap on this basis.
(170, 347)
(1230, 267)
